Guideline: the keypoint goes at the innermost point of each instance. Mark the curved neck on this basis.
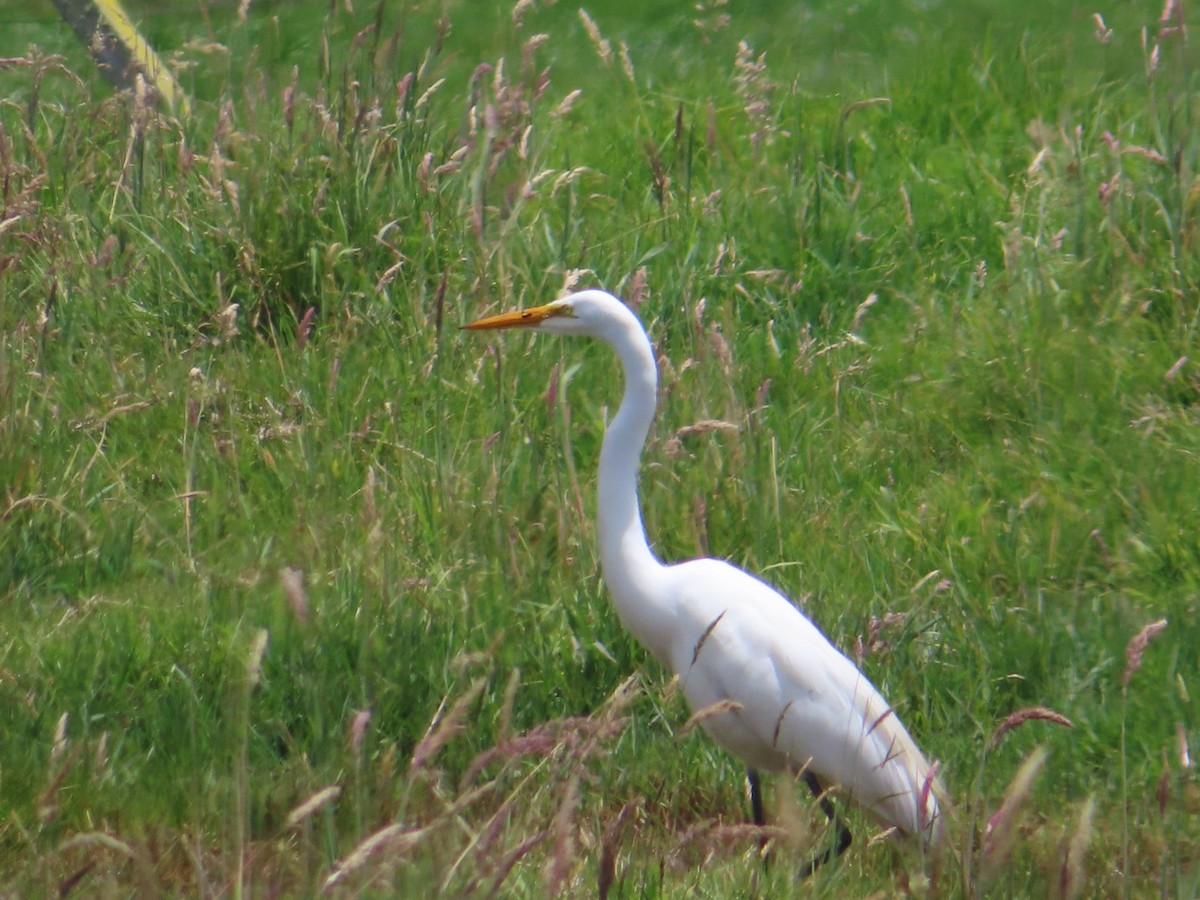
(624, 551)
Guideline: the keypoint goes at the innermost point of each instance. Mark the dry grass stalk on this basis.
(704, 637)
(603, 47)
(1029, 714)
(304, 327)
(47, 807)
(607, 867)
(861, 312)
(1071, 879)
(1170, 21)
(146, 882)
(709, 20)
(609, 720)
(636, 290)
(100, 767)
(67, 886)
(358, 729)
(755, 90)
(254, 661)
(565, 105)
(60, 764)
(59, 744)
(706, 426)
(466, 800)
(567, 745)
(442, 730)
(709, 838)
(929, 788)
(1163, 792)
(320, 799)
(1137, 647)
(394, 838)
(999, 831)
(626, 62)
(558, 868)
(700, 716)
(504, 731)
(292, 581)
(511, 858)
(518, 11)
(875, 627)
(487, 838)
(541, 741)
(92, 838)
(575, 736)
(571, 278)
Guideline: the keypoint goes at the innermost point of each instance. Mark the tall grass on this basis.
(298, 584)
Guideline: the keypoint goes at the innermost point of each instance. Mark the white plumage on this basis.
(789, 700)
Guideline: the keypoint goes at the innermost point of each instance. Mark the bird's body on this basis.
(772, 689)
(794, 701)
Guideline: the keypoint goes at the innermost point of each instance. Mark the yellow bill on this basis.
(520, 318)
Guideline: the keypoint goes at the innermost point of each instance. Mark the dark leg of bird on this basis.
(843, 833)
(754, 788)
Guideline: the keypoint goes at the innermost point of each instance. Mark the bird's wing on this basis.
(783, 697)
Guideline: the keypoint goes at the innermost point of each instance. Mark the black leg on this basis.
(754, 787)
(843, 833)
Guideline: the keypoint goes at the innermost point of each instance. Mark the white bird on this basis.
(769, 687)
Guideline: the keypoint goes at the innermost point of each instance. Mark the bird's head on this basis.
(589, 313)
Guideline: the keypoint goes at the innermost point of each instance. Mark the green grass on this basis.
(956, 332)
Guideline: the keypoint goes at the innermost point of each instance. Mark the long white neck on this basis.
(625, 556)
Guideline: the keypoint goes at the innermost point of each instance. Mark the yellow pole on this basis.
(119, 49)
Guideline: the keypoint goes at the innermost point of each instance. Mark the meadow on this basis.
(298, 584)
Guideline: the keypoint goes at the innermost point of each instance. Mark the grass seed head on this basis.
(1072, 876)
(514, 856)
(59, 744)
(518, 11)
(1137, 648)
(254, 660)
(317, 801)
(1029, 714)
(100, 760)
(442, 730)
(358, 729)
(626, 62)
(563, 830)
(564, 107)
(1170, 21)
(603, 47)
(607, 867)
(394, 839)
(292, 581)
(998, 834)
(700, 716)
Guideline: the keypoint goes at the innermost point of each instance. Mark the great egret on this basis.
(772, 689)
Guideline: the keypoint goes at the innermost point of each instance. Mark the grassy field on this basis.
(298, 582)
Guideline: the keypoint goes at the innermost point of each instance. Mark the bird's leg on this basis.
(754, 789)
(843, 833)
